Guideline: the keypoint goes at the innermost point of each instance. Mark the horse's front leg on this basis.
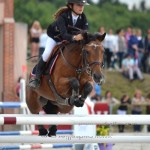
(87, 89)
(72, 86)
(74, 99)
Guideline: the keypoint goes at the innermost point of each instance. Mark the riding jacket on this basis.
(61, 29)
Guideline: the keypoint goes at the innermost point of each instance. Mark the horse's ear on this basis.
(87, 37)
(101, 37)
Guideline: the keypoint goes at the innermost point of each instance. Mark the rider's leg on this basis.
(50, 44)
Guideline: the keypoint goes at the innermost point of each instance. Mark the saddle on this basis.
(52, 59)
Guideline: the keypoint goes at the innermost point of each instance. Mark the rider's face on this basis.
(78, 8)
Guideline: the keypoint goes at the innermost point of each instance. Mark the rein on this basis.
(84, 65)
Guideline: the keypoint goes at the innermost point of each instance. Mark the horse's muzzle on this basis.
(98, 78)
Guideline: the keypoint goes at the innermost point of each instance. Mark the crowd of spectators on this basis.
(127, 51)
(127, 44)
(135, 105)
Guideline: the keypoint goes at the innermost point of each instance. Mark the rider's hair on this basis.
(60, 11)
(69, 6)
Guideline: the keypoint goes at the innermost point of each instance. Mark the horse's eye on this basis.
(103, 65)
(87, 52)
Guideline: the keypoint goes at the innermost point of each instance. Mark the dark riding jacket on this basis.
(60, 29)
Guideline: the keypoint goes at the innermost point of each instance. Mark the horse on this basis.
(77, 65)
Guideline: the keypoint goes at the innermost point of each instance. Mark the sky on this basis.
(130, 3)
(136, 2)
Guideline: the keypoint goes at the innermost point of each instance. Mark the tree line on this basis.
(107, 13)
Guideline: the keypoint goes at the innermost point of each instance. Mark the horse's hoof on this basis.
(52, 130)
(79, 102)
(42, 132)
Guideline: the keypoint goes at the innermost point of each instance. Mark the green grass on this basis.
(120, 85)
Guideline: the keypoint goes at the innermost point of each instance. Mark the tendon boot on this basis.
(35, 82)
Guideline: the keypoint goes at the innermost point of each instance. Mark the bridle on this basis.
(84, 65)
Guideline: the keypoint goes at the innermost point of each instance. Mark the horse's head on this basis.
(93, 55)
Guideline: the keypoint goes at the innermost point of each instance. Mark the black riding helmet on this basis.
(84, 2)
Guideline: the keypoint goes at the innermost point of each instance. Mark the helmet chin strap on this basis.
(72, 9)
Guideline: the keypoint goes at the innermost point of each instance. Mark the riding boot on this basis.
(35, 82)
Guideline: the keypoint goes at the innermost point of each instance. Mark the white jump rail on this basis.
(75, 139)
(72, 119)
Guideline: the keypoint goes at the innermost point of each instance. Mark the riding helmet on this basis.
(84, 2)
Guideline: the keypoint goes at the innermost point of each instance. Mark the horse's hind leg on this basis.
(49, 108)
(33, 102)
(42, 130)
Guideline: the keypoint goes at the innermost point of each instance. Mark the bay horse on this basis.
(78, 65)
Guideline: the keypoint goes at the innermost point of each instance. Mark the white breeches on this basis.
(50, 44)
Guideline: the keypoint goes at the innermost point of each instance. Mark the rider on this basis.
(59, 30)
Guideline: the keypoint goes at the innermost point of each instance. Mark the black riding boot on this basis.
(35, 82)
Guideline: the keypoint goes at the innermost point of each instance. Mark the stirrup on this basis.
(34, 83)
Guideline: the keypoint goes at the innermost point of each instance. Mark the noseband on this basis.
(84, 65)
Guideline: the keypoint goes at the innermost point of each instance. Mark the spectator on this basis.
(130, 68)
(133, 45)
(113, 46)
(128, 34)
(146, 59)
(101, 30)
(140, 47)
(35, 33)
(43, 40)
(137, 109)
(110, 49)
(122, 48)
(148, 108)
(110, 100)
(122, 109)
(97, 92)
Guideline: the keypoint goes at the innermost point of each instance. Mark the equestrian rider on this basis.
(60, 30)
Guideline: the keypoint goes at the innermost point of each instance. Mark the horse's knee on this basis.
(74, 84)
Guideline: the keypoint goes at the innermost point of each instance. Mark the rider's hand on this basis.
(78, 37)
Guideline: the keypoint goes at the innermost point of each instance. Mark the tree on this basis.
(111, 14)
(142, 5)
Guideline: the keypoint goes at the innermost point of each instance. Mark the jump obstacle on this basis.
(75, 139)
(74, 120)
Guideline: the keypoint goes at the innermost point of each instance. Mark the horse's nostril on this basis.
(97, 76)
